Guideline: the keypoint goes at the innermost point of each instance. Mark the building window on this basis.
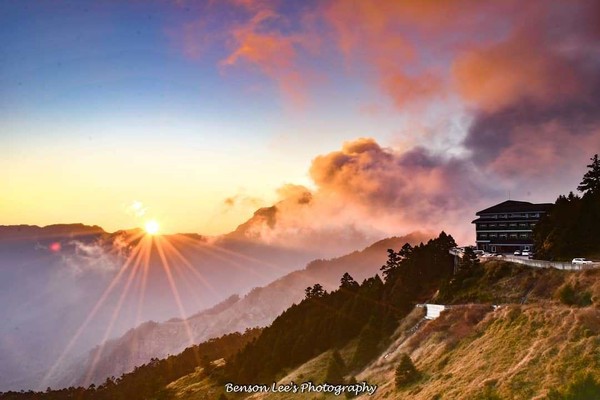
(513, 235)
(513, 225)
(502, 225)
(503, 236)
(523, 236)
(483, 236)
(493, 235)
(523, 225)
(492, 225)
(483, 225)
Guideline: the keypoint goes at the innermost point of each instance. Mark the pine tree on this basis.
(590, 184)
(351, 381)
(348, 282)
(405, 371)
(366, 348)
(469, 260)
(391, 265)
(336, 369)
(314, 292)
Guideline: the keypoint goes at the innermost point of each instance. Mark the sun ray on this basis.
(189, 265)
(184, 276)
(167, 269)
(91, 315)
(233, 253)
(210, 249)
(113, 319)
(146, 266)
(142, 291)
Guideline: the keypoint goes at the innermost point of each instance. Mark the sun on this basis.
(151, 227)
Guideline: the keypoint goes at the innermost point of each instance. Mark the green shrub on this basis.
(488, 393)
(336, 369)
(570, 296)
(583, 388)
(406, 373)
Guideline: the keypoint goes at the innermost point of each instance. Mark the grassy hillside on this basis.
(514, 352)
(539, 349)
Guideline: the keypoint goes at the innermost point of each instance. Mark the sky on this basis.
(354, 118)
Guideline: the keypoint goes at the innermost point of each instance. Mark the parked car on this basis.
(531, 255)
(525, 253)
(517, 252)
(581, 261)
(498, 255)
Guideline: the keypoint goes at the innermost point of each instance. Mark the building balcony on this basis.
(500, 242)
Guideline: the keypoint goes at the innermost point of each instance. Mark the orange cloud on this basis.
(413, 184)
(365, 192)
(406, 90)
(534, 95)
(522, 67)
(402, 39)
(270, 50)
(257, 43)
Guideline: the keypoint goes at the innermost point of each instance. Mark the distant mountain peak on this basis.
(34, 232)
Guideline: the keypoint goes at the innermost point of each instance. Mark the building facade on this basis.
(508, 226)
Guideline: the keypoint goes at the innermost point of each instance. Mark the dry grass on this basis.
(516, 352)
(194, 387)
(471, 352)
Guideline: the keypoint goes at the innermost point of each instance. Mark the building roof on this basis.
(511, 206)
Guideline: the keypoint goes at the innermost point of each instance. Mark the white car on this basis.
(525, 253)
(517, 252)
(581, 261)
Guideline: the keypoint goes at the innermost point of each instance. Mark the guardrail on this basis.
(563, 265)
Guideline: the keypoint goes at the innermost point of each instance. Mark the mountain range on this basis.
(71, 296)
(67, 288)
(256, 309)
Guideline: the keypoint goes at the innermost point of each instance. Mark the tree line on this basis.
(369, 312)
(571, 228)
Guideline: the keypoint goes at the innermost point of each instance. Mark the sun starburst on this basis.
(152, 227)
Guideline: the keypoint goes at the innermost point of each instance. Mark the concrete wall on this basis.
(565, 265)
(433, 310)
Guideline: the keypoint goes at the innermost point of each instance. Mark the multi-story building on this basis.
(508, 226)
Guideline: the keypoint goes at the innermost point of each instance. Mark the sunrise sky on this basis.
(394, 115)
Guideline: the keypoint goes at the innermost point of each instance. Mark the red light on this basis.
(55, 247)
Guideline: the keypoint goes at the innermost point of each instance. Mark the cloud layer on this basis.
(524, 74)
(364, 192)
